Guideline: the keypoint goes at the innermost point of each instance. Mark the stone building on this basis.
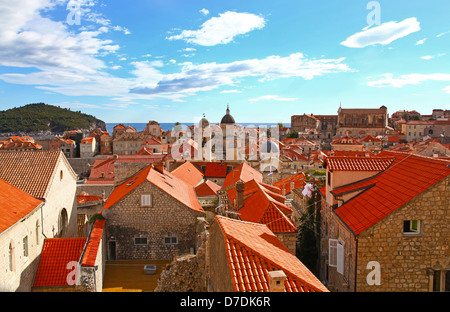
(386, 230)
(245, 256)
(152, 215)
(362, 121)
(46, 175)
(324, 125)
(129, 143)
(20, 238)
(88, 147)
(420, 129)
(153, 128)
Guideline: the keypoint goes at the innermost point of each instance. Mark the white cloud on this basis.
(442, 34)
(421, 41)
(231, 91)
(388, 80)
(122, 29)
(273, 98)
(222, 29)
(204, 11)
(383, 34)
(208, 76)
(429, 57)
(447, 90)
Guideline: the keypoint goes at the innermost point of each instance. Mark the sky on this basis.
(175, 60)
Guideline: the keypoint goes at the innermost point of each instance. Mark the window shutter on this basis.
(146, 200)
(332, 252)
(340, 258)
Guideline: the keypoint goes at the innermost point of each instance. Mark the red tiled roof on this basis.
(91, 251)
(262, 205)
(31, 171)
(151, 141)
(166, 181)
(358, 163)
(216, 170)
(15, 204)
(87, 198)
(253, 251)
(369, 138)
(188, 173)
(298, 180)
(87, 140)
(407, 177)
(207, 188)
(106, 167)
(55, 257)
(243, 172)
(145, 151)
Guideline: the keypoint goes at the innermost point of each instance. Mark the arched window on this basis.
(11, 257)
(62, 223)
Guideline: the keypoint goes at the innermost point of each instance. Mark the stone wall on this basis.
(127, 220)
(404, 259)
(185, 274)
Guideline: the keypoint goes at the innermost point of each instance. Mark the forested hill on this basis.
(41, 117)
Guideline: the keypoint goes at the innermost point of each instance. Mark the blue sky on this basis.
(174, 60)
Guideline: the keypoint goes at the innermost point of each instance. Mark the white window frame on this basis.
(413, 230)
(146, 200)
(336, 255)
(26, 251)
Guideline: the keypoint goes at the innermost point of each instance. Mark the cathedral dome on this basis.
(227, 119)
(203, 122)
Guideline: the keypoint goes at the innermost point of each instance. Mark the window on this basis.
(170, 240)
(140, 240)
(441, 280)
(25, 246)
(146, 200)
(336, 255)
(411, 227)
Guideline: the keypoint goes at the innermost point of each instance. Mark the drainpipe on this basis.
(42, 219)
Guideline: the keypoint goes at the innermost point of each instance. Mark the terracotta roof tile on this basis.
(30, 171)
(243, 172)
(55, 257)
(92, 246)
(215, 170)
(253, 251)
(207, 188)
(15, 204)
(264, 206)
(166, 181)
(358, 163)
(407, 177)
(298, 180)
(188, 173)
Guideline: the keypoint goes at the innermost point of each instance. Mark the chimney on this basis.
(276, 281)
(240, 186)
(159, 166)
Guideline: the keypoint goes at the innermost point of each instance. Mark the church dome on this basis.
(227, 119)
(203, 122)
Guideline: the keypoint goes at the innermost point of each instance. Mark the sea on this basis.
(170, 126)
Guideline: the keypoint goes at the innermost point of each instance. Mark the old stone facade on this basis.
(407, 262)
(325, 125)
(155, 232)
(362, 122)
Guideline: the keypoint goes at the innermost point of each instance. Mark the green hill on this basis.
(43, 117)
